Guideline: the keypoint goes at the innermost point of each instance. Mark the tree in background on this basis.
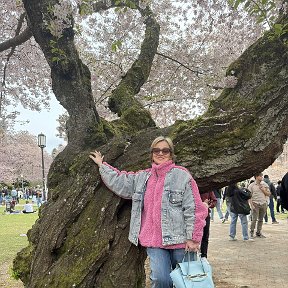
(241, 132)
(20, 155)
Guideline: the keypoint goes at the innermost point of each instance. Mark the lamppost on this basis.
(22, 183)
(42, 145)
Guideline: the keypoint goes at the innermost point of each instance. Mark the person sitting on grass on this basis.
(28, 208)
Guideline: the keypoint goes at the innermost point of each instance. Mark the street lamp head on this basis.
(41, 140)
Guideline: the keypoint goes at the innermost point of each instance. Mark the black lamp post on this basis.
(42, 145)
(22, 183)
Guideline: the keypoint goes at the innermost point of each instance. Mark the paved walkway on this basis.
(262, 263)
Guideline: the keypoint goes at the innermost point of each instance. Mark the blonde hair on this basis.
(168, 141)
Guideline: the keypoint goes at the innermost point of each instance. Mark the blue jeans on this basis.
(39, 201)
(271, 207)
(227, 213)
(162, 262)
(244, 224)
(218, 204)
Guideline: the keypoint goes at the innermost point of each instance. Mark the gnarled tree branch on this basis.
(16, 40)
(13, 47)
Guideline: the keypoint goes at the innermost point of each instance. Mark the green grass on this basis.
(14, 227)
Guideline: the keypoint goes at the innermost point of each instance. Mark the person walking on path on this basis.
(167, 215)
(217, 193)
(210, 200)
(258, 204)
(239, 207)
(271, 200)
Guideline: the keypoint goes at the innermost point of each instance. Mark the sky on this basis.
(42, 122)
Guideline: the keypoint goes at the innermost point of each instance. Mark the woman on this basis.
(167, 215)
(239, 206)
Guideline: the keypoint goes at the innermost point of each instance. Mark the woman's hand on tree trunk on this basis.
(97, 157)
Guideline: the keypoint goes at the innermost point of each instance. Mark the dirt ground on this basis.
(262, 263)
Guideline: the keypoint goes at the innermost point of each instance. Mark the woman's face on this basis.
(161, 153)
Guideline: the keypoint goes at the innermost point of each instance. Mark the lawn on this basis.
(13, 238)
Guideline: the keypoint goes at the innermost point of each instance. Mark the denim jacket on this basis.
(182, 214)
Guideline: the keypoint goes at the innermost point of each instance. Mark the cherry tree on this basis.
(241, 132)
(20, 155)
(188, 69)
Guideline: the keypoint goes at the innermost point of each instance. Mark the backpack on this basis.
(239, 201)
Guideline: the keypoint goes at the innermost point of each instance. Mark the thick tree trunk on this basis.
(71, 79)
(80, 239)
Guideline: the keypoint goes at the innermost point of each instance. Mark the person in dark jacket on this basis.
(239, 207)
(284, 192)
(278, 188)
(271, 200)
(211, 201)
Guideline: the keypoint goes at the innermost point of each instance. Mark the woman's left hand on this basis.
(192, 246)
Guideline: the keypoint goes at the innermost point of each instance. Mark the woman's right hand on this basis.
(97, 157)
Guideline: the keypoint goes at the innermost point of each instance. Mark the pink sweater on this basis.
(151, 232)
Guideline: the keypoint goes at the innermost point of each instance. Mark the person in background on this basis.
(271, 200)
(250, 182)
(239, 207)
(278, 198)
(20, 194)
(163, 194)
(28, 208)
(34, 194)
(38, 197)
(5, 191)
(210, 200)
(217, 193)
(14, 194)
(227, 199)
(284, 192)
(1, 198)
(258, 204)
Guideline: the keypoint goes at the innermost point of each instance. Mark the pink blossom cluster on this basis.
(198, 41)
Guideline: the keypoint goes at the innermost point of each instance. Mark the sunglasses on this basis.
(165, 151)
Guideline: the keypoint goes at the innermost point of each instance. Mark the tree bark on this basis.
(17, 40)
(80, 239)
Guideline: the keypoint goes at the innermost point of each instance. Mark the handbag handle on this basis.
(189, 276)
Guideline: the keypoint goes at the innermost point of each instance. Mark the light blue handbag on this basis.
(192, 274)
